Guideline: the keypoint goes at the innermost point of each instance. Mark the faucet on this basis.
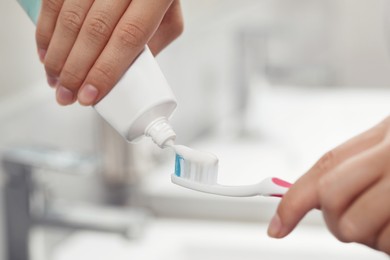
(22, 212)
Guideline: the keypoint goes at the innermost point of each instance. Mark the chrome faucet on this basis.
(23, 210)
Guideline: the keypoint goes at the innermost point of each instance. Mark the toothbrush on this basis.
(198, 171)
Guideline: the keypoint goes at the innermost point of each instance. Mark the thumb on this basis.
(300, 199)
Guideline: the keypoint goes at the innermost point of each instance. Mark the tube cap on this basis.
(160, 131)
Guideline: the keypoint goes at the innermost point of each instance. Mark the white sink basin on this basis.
(190, 240)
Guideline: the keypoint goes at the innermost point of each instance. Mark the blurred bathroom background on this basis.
(266, 85)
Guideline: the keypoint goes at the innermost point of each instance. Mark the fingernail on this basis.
(42, 54)
(87, 95)
(52, 81)
(64, 96)
(275, 227)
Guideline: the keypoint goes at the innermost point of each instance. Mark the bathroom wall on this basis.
(19, 66)
(344, 39)
(360, 46)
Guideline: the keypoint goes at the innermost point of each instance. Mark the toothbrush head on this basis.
(196, 166)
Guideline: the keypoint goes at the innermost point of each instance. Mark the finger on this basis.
(300, 198)
(352, 147)
(46, 25)
(170, 28)
(339, 188)
(68, 25)
(303, 195)
(94, 35)
(363, 220)
(383, 241)
(131, 34)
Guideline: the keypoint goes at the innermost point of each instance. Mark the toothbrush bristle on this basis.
(202, 172)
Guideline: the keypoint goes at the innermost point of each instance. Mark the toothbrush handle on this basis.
(267, 187)
(274, 187)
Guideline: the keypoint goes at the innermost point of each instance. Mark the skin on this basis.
(87, 45)
(351, 186)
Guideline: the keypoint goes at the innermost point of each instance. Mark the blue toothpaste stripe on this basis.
(178, 162)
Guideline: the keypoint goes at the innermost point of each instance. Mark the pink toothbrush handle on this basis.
(280, 183)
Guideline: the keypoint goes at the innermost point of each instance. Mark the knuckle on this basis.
(70, 78)
(52, 5)
(98, 27)
(42, 38)
(131, 35)
(330, 202)
(71, 20)
(348, 231)
(293, 208)
(52, 68)
(326, 162)
(104, 74)
(323, 186)
(177, 28)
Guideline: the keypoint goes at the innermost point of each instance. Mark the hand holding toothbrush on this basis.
(351, 186)
(87, 45)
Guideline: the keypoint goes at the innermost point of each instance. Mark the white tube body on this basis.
(138, 99)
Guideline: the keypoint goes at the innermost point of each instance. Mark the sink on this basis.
(171, 239)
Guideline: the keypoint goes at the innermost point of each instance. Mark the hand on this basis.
(351, 186)
(87, 45)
